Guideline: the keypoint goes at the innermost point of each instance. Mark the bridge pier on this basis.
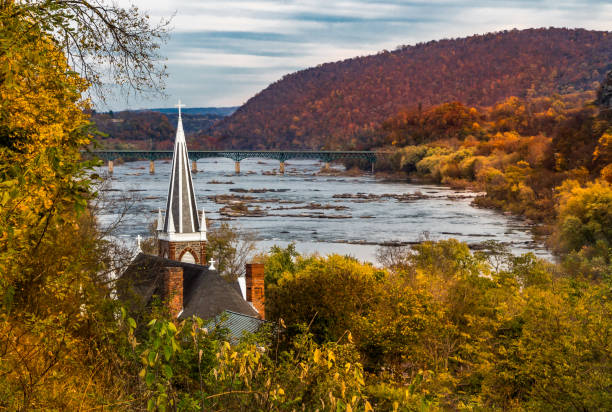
(325, 156)
(194, 166)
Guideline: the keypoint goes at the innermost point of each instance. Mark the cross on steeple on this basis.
(179, 105)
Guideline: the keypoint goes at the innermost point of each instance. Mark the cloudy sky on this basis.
(222, 52)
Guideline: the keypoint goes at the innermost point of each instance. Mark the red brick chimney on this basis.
(173, 289)
(255, 287)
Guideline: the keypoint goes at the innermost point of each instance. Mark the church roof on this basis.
(237, 324)
(205, 293)
(181, 208)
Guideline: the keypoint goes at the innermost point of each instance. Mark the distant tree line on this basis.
(148, 130)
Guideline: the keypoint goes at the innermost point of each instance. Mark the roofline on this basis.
(246, 316)
(176, 262)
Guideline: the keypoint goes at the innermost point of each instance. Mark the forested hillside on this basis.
(151, 129)
(338, 105)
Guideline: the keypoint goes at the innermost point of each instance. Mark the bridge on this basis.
(236, 155)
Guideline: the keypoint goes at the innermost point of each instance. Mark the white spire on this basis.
(181, 207)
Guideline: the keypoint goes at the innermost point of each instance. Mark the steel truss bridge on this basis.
(237, 155)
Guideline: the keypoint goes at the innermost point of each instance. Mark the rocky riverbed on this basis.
(330, 213)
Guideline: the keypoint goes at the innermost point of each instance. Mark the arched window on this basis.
(188, 257)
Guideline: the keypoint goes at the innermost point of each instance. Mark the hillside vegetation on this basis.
(527, 156)
(337, 105)
(151, 129)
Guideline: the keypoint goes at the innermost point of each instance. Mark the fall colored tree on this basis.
(56, 321)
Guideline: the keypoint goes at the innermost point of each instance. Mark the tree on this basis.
(585, 217)
(57, 323)
(231, 248)
(327, 293)
(393, 257)
(603, 151)
(105, 43)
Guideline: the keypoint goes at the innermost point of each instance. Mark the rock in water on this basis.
(605, 94)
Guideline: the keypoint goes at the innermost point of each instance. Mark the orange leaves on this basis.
(480, 71)
(603, 151)
(585, 215)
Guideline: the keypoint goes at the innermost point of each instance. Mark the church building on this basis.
(178, 274)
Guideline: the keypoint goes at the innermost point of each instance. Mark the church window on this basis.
(188, 257)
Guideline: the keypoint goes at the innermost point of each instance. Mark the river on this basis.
(320, 213)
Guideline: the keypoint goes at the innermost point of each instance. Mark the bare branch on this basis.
(110, 46)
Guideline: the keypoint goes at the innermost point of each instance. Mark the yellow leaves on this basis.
(317, 355)
(39, 114)
(347, 367)
(603, 151)
(40, 96)
(606, 173)
(584, 213)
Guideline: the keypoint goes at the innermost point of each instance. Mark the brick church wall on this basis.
(176, 250)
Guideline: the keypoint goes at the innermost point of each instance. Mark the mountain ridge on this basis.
(333, 105)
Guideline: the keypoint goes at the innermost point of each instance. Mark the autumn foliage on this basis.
(447, 329)
(149, 129)
(338, 105)
(437, 328)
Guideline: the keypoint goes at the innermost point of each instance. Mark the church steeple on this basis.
(181, 222)
(181, 208)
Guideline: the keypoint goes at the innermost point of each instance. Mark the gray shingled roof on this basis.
(205, 293)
